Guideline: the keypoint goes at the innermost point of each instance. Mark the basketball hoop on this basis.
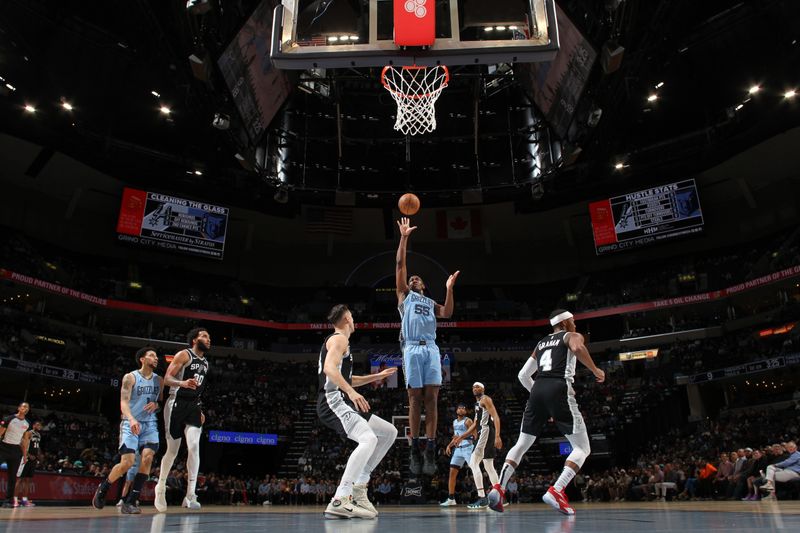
(415, 89)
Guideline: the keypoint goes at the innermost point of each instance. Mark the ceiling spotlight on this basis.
(354, 37)
(500, 28)
(488, 28)
(198, 172)
(738, 107)
(652, 98)
(29, 108)
(66, 105)
(155, 93)
(659, 85)
(165, 110)
(512, 28)
(10, 87)
(619, 166)
(754, 89)
(333, 39)
(789, 94)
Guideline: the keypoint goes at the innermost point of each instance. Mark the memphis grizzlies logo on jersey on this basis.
(143, 392)
(459, 428)
(418, 318)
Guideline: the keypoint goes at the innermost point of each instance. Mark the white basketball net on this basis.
(415, 89)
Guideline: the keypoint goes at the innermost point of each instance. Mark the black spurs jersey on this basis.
(482, 417)
(555, 358)
(345, 367)
(35, 445)
(196, 368)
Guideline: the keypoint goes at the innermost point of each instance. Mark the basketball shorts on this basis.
(337, 412)
(26, 469)
(461, 455)
(181, 412)
(147, 437)
(552, 398)
(484, 445)
(422, 365)
(132, 471)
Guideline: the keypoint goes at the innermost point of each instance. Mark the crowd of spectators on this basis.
(162, 285)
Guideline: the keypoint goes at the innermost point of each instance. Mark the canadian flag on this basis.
(458, 223)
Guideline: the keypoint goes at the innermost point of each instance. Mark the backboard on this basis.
(361, 33)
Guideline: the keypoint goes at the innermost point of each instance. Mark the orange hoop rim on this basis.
(414, 67)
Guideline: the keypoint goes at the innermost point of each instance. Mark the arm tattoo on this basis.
(127, 387)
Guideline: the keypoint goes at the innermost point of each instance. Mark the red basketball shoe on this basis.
(558, 501)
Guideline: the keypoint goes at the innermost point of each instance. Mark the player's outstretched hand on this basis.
(189, 384)
(151, 407)
(599, 375)
(405, 226)
(452, 279)
(360, 402)
(135, 427)
(386, 372)
(449, 450)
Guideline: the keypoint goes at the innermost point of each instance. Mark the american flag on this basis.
(314, 40)
(329, 220)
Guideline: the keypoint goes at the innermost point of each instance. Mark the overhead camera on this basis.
(221, 121)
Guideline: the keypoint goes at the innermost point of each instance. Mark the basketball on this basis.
(408, 204)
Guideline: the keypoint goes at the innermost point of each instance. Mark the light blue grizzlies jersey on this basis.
(417, 318)
(144, 391)
(459, 428)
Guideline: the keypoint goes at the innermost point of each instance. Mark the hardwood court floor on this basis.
(612, 518)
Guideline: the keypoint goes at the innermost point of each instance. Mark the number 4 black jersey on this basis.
(196, 368)
(555, 358)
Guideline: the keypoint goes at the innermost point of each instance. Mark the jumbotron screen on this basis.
(170, 223)
(646, 217)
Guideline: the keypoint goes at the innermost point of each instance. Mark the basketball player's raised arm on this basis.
(337, 346)
(180, 360)
(578, 347)
(446, 310)
(401, 274)
(525, 375)
(371, 378)
(125, 402)
(488, 404)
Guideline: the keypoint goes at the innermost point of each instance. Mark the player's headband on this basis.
(478, 384)
(558, 319)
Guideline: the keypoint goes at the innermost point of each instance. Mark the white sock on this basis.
(477, 476)
(505, 474)
(563, 480)
(193, 434)
(344, 490)
(386, 434)
(173, 446)
(488, 464)
(364, 435)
